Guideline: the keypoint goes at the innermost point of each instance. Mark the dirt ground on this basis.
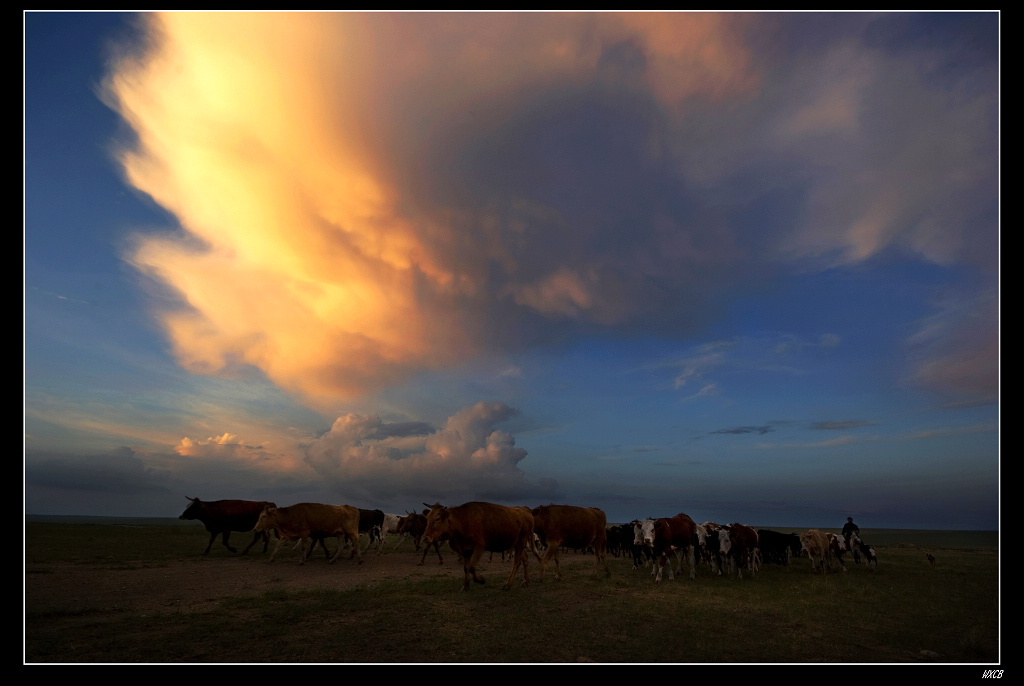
(190, 582)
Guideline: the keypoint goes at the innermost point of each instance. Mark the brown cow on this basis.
(309, 521)
(224, 516)
(675, 534)
(474, 528)
(573, 527)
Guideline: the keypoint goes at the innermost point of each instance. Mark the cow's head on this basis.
(267, 520)
(724, 540)
(647, 532)
(438, 521)
(194, 509)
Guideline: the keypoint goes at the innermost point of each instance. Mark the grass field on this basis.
(905, 611)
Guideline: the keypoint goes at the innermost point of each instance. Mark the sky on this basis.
(739, 265)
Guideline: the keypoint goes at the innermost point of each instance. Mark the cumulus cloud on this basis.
(467, 457)
(365, 196)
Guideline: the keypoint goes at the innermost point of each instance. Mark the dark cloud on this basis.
(745, 430)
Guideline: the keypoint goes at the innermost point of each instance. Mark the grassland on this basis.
(142, 593)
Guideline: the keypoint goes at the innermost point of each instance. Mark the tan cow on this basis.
(573, 527)
(309, 521)
(473, 528)
(816, 544)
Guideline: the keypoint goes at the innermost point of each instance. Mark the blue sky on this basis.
(743, 266)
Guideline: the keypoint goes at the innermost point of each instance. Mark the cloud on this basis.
(362, 197)
(120, 471)
(467, 457)
(745, 430)
(955, 351)
(841, 425)
(273, 456)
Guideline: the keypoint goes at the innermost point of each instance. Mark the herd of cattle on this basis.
(475, 528)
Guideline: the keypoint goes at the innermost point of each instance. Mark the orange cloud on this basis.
(286, 144)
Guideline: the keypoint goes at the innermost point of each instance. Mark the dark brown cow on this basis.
(221, 517)
(573, 527)
(415, 524)
(672, 535)
(743, 549)
(474, 528)
(309, 521)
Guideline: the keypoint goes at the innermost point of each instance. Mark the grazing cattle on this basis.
(309, 521)
(743, 549)
(221, 517)
(571, 526)
(671, 535)
(476, 527)
(776, 547)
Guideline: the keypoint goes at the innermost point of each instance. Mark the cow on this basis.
(860, 548)
(476, 527)
(415, 524)
(776, 547)
(369, 519)
(715, 538)
(816, 543)
(575, 527)
(221, 517)
(743, 549)
(836, 548)
(641, 553)
(390, 526)
(671, 535)
(309, 521)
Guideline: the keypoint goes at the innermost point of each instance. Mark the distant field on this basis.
(138, 591)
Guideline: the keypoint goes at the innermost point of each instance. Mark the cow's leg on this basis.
(693, 563)
(356, 551)
(469, 563)
(257, 535)
(213, 537)
(280, 542)
(521, 557)
(227, 545)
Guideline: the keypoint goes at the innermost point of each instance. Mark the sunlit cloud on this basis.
(308, 249)
(362, 197)
(228, 449)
